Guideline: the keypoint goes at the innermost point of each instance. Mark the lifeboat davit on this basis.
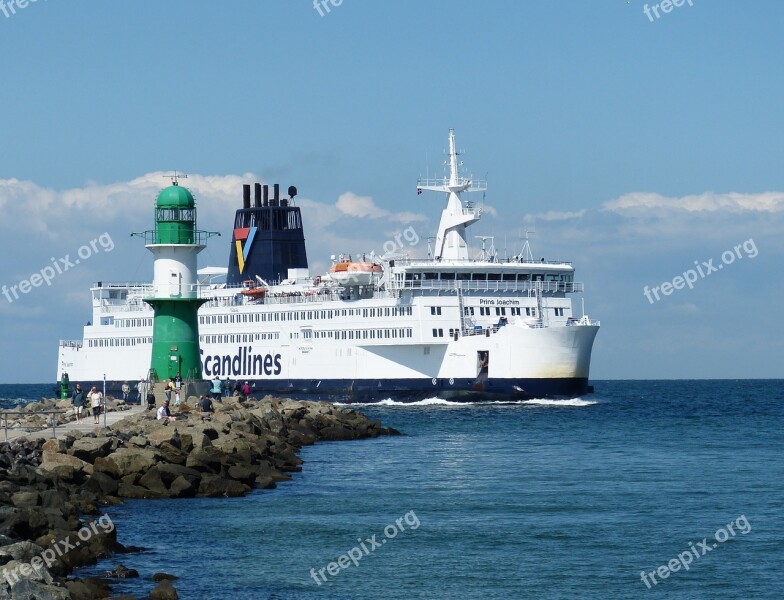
(348, 272)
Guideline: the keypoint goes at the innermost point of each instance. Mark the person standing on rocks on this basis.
(226, 388)
(126, 389)
(216, 388)
(246, 389)
(78, 399)
(142, 388)
(96, 398)
(177, 387)
(168, 388)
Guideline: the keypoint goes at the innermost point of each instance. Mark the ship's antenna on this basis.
(430, 240)
(175, 178)
(526, 255)
(484, 256)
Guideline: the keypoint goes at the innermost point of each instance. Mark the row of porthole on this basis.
(451, 381)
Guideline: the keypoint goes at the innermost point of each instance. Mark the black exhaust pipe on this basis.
(245, 195)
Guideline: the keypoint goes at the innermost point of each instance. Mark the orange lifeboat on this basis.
(349, 272)
(252, 291)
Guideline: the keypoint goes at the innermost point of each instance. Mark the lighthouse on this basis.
(175, 243)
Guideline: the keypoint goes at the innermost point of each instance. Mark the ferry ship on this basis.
(451, 325)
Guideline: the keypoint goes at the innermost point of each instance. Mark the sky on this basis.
(646, 149)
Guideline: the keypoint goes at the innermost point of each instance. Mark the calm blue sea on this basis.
(568, 499)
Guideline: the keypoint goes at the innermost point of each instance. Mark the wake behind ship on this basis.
(449, 325)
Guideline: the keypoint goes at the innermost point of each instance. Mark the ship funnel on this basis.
(246, 195)
(257, 195)
(268, 237)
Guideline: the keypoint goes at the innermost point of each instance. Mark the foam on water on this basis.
(576, 402)
(572, 402)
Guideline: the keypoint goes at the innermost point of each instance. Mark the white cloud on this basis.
(732, 202)
(488, 210)
(45, 210)
(554, 215)
(363, 207)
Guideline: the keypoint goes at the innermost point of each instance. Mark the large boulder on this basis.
(164, 591)
(88, 449)
(130, 461)
(216, 486)
(65, 467)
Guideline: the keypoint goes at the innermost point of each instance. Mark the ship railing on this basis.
(582, 322)
(477, 185)
(566, 287)
(71, 344)
(468, 262)
(136, 285)
(290, 298)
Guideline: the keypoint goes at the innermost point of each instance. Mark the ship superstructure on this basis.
(394, 326)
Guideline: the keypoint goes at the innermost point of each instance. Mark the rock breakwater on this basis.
(52, 492)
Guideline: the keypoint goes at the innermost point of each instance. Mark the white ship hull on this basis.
(522, 360)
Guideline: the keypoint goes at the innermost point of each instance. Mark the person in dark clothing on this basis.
(79, 400)
(150, 400)
(205, 404)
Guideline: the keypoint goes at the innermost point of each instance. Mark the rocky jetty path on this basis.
(53, 492)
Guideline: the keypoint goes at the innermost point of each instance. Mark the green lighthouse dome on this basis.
(175, 196)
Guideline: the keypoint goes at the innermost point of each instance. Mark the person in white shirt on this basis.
(163, 412)
(96, 399)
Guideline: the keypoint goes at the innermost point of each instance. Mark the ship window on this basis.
(478, 276)
(494, 276)
(463, 276)
(435, 310)
(537, 277)
(429, 276)
(448, 276)
(508, 276)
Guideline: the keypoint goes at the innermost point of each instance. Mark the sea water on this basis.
(532, 499)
